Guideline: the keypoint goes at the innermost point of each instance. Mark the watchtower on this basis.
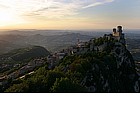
(119, 30)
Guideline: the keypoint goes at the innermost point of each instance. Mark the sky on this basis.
(69, 14)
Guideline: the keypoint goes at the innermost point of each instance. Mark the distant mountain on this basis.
(58, 42)
(6, 46)
(28, 53)
(52, 42)
(53, 32)
(55, 40)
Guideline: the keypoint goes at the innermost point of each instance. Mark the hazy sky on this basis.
(69, 14)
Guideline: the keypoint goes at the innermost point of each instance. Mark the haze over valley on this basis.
(56, 40)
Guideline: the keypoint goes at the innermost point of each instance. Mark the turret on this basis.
(114, 31)
(119, 30)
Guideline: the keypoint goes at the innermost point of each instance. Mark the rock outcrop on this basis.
(114, 73)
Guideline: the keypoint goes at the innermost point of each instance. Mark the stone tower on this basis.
(114, 31)
(119, 30)
(119, 35)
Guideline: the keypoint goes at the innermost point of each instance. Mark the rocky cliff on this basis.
(115, 73)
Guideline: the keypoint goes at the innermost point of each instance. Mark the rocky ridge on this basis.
(120, 76)
(100, 65)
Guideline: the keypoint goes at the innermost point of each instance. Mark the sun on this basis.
(8, 17)
(5, 17)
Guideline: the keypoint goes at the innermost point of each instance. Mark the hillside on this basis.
(6, 46)
(29, 53)
(24, 54)
(16, 58)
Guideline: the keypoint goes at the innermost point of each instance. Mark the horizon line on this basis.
(19, 29)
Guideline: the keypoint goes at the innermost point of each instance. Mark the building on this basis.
(119, 35)
(117, 32)
(60, 55)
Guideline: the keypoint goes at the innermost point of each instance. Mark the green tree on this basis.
(18, 88)
(64, 85)
(52, 75)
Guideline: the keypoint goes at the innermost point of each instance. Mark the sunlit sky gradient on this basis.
(69, 14)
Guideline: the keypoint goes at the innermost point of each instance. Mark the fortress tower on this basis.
(119, 30)
(118, 35)
(114, 31)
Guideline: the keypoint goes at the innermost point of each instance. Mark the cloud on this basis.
(96, 3)
(63, 8)
(48, 9)
(3, 6)
(55, 9)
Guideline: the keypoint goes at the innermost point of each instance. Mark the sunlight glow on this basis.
(47, 13)
(9, 16)
(6, 18)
